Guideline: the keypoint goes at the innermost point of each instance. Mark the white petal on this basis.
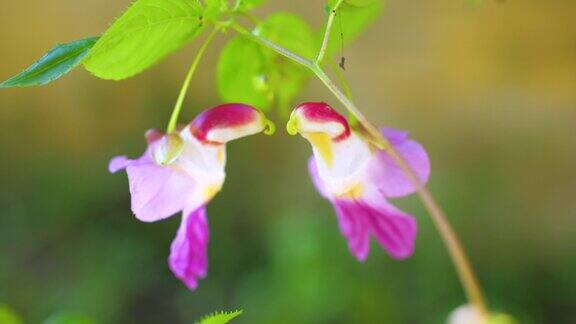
(203, 162)
(344, 166)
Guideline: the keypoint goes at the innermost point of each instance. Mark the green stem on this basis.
(178, 106)
(454, 246)
(266, 43)
(327, 32)
(345, 87)
(342, 80)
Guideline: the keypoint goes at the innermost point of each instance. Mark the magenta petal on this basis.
(188, 253)
(388, 176)
(394, 230)
(354, 226)
(157, 192)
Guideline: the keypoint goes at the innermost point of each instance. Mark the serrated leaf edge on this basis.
(234, 314)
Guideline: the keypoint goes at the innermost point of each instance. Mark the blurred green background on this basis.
(489, 90)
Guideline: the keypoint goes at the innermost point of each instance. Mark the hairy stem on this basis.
(327, 32)
(463, 267)
(178, 106)
(267, 43)
(342, 80)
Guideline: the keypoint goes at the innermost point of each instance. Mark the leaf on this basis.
(252, 74)
(214, 8)
(287, 77)
(246, 5)
(241, 74)
(288, 31)
(352, 18)
(147, 32)
(58, 61)
(221, 317)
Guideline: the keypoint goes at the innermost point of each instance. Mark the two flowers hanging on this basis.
(182, 171)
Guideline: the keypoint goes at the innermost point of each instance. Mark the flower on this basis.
(182, 171)
(357, 178)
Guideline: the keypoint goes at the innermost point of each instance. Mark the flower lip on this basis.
(227, 122)
(313, 117)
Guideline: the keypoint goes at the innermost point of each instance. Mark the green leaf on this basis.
(352, 18)
(147, 32)
(54, 64)
(246, 5)
(252, 74)
(288, 31)
(214, 8)
(287, 77)
(241, 74)
(220, 317)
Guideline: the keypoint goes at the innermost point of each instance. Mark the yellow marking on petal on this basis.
(322, 143)
(355, 192)
(221, 156)
(211, 191)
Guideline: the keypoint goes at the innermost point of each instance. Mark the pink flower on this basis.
(357, 178)
(181, 172)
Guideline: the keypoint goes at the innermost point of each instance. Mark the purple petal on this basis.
(118, 163)
(158, 192)
(188, 253)
(318, 184)
(388, 176)
(394, 230)
(395, 136)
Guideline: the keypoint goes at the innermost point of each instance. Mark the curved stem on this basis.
(463, 267)
(459, 258)
(266, 43)
(178, 106)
